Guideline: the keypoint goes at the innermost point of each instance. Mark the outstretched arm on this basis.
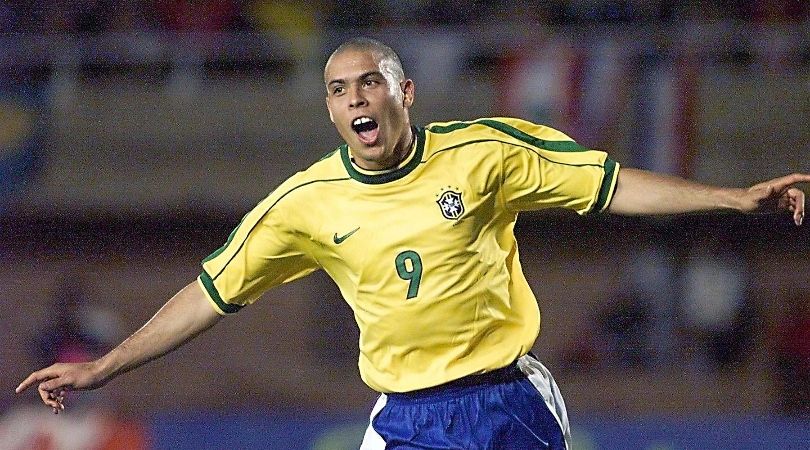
(649, 193)
(183, 317)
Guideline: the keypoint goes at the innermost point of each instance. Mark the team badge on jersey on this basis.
(451, 205)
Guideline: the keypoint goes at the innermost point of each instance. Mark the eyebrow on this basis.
(365, 75)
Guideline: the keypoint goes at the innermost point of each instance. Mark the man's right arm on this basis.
(183, 317)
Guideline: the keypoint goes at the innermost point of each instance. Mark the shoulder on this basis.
(319, 175)
(499, 130)
(495, 126)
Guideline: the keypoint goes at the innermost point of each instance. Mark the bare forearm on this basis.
(183, 317)
(643, 192)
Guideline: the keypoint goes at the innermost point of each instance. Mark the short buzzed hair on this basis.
(382, 51)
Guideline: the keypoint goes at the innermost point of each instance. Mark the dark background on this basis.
(135, 135)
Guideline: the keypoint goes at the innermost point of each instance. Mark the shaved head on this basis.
(387, 58)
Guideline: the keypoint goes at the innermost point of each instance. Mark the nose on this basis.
(356, 98)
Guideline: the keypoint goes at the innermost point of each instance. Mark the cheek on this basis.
(396, 93)
(395, 112)
(337, 118)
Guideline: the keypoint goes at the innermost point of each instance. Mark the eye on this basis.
(370, 82)
(337, 90)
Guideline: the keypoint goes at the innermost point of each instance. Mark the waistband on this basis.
(498, 376)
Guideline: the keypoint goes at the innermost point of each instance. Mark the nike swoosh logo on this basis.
(339, 239)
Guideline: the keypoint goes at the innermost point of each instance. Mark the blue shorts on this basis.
(518, 407)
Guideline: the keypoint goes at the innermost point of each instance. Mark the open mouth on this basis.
(367, 129)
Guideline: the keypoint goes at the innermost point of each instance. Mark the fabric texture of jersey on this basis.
(425, 255)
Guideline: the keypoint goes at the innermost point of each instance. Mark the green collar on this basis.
(388, 176)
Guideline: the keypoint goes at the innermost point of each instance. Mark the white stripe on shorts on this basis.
(372, 440)
(544, 383)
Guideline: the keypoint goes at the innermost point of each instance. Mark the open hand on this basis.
(777, 195)
(54, 382)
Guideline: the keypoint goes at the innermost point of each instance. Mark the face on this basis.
(369, 108)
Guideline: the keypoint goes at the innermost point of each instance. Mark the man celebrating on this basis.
(415, 225)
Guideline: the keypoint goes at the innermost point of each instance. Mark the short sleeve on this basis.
(546, 169)
(263, 251)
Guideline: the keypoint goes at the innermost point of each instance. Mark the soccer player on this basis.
(415, 225)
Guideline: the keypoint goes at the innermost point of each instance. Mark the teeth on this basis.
(361, 120)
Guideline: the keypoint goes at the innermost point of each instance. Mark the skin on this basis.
(187, 314)
(359, 84)
(640, 192)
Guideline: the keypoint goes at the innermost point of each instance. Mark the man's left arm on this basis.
(640, 192)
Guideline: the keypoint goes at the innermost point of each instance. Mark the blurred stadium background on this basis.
(135, 134)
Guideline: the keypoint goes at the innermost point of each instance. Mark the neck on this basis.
(404, 146)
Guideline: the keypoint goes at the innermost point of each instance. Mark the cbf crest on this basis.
(451, 204)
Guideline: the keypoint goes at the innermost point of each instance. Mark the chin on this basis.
(373, 155)
(376, 150)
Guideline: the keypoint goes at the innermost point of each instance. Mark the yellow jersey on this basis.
(424, 254)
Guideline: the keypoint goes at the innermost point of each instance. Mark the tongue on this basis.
(369, 137)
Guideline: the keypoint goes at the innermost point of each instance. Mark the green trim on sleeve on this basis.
(608, 186)
(554, 146)
(208, 284)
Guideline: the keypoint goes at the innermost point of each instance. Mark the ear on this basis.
(329, 108)
(408, 90)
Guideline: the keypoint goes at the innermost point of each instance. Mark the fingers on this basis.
(35, 377)
(797, 204)
(786, 197)
(783, 183)
(53, 399)
(51, 388)
(59, 382)
(60, 401)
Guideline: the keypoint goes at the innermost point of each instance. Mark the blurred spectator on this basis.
(296, 23)
(91, 17)
(583, 354)
(793, 356)
(455, 12)
(18, 16)
(718, 314)
(198, 15)
(775, 11)
(626, 322)
(98, 16)
(77, 332)
(133, 15)
(84, 17)
(9, 18)
(80, 332)
(353, 14)
(24, 131)
(652, 276)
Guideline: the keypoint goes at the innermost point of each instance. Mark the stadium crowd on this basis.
(98, 16)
